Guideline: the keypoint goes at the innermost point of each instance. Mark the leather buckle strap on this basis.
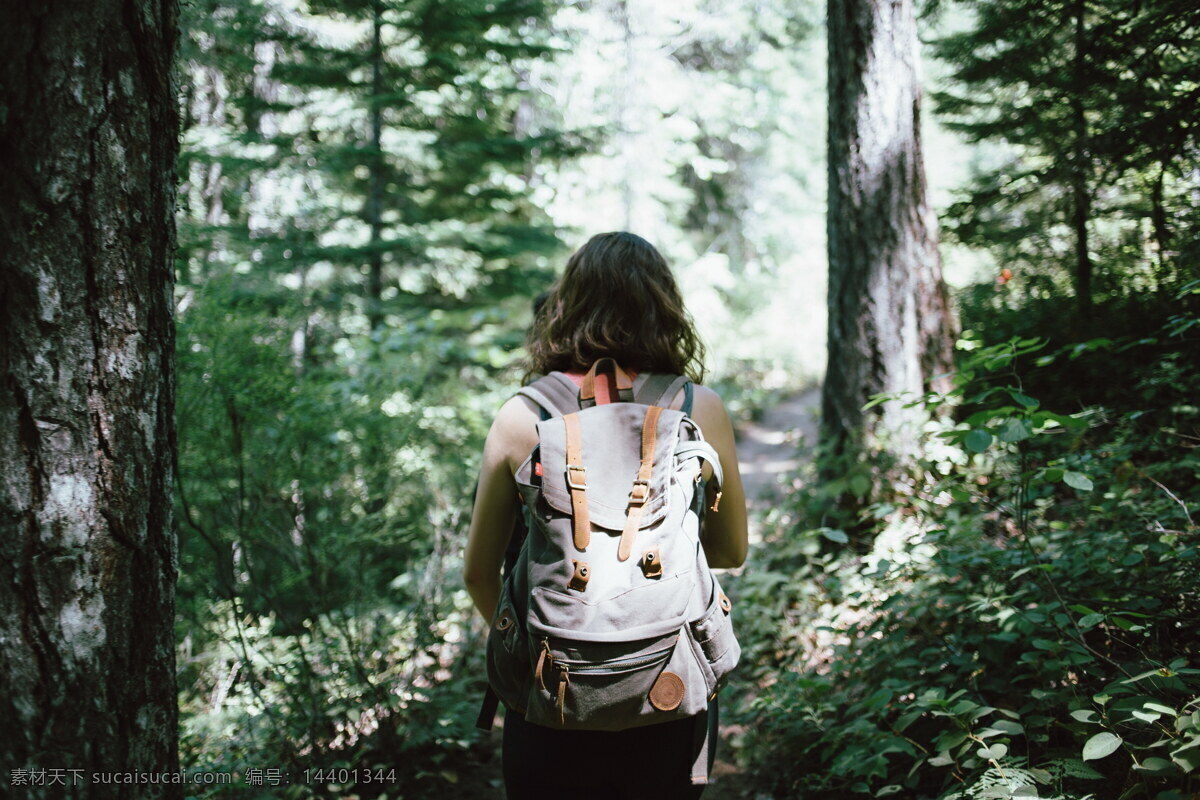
(641, 486)
(577, 482)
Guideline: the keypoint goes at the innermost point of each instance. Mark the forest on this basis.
(266, 272)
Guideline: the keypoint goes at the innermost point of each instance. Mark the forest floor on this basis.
(768, 449)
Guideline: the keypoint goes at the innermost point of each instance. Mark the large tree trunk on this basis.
(88, 134)
(889, 322)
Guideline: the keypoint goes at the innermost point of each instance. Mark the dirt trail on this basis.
(775, 445)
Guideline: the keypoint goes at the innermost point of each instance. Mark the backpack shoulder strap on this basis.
(555, 393)
(659, 389)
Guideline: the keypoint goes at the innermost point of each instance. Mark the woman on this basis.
(617, 298)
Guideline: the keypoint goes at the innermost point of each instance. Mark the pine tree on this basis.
(1086, 95)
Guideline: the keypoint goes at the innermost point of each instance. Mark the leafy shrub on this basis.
(1025, 623)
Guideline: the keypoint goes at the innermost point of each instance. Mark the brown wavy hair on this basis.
(617, 298)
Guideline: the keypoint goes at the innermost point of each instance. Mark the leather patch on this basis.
(667, 692)
(579, 580)
(652, 563)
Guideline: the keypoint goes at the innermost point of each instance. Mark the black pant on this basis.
(653, 762)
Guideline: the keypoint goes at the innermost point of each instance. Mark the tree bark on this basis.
(375, 193)
(88, 142)
(1081, 193)
(890, 327)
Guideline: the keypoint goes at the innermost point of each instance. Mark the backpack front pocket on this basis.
(717, 649)
(600, 686)
(509, 668)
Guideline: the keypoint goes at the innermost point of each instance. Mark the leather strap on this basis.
(487, 712)
(641, 487)
(702, 734)
(564, 678)
(624, 384)
(577, 482)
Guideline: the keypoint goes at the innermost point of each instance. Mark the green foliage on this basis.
(358, 250)
(1089, 110)
(1023, 624)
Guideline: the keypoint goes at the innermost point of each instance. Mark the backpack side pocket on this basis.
(509, 668)
(716, 647)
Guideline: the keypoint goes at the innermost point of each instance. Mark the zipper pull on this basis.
(563, 680)
(543, 657)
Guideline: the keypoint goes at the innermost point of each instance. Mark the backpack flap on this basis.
(610, 445)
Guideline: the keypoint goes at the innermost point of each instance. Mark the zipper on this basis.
(617, 666)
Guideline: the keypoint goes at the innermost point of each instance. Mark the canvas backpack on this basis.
(610, 617)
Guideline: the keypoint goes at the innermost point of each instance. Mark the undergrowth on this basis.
(1025, 623)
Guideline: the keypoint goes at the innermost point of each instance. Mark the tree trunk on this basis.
(1081, 193)
(890, 327)
(88, 140)
(375, 192)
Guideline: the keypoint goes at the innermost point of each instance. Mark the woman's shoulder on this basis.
(514, 430)
(708, 409)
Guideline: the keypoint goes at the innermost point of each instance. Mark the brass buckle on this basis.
(576, 468)
(639, 498)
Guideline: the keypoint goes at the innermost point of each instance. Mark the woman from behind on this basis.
(616, 299)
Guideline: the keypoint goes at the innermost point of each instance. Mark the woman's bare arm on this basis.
(512, 436)
(726, 535)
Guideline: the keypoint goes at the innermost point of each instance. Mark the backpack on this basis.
(610, 617)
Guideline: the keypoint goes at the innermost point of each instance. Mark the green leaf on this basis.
(1077, 480)
(1155, 765)
(1090, 620)
(994, 752)
(1042, 776)
(1085, 715)
(877, 399)
(1188, 758)
(1150, 673)
(1023, 399)
(1015, 430)
(950, 740)
(1100, 746)
(835, 535)
(978, 440)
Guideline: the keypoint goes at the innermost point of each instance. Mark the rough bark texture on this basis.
(88, 134)
(889, 321)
